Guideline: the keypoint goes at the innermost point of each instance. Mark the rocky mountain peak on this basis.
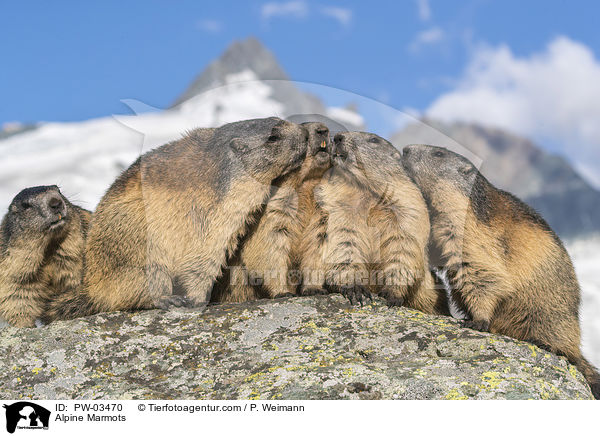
(250, 55)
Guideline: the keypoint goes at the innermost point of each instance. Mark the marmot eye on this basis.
(25, 205)
(374, 140)
(274, 138)
(438, 153)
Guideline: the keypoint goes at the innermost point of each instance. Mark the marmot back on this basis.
(161, 234)
(507, 268)
(372, 231)
(41, 253)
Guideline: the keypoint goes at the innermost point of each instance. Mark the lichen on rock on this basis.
(294, 348)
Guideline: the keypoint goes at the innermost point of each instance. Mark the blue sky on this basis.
(77, 60)
(66, 61)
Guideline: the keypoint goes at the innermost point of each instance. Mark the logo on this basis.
(26, 415)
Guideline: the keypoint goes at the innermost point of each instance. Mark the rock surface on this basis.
(295, 348)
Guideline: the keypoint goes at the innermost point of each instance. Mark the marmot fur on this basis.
(507, 268)
(266, 259)
(373, 229)
(163, 231)
(41, 253)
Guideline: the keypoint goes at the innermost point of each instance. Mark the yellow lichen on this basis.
(312, 325)
(546, 389)
(573, 371)
(492, 379)
(253, 377)
(533, 350)
(348, 372)
(272, 347)
(254, 396)
(454, 394)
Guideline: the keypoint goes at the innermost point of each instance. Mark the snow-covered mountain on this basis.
(83, 158)
(251, 54)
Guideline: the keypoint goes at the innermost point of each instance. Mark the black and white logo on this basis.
(26, 415)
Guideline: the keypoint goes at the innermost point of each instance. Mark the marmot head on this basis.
(366, 156)
(318, 155)
(267, 147)
(432, 168)
(35, 212)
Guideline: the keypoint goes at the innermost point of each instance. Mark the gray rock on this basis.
(295, 348)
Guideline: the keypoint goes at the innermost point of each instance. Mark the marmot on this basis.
(41, 253)
(164, 229)
(507, 268)
(265, 263)
(372, 231)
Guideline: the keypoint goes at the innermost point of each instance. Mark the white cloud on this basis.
(424, 10)
(552, 96)
(341, 15)
(300, 10)
(210, 26)
(430, 36)
(295, 9)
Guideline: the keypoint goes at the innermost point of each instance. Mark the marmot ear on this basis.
(239, 145)
(466, 170)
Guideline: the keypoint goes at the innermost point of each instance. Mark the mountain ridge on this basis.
(251, 54)
(545, 181)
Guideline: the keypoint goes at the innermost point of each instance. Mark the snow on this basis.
(346, 116)
(586, 258)
(83, 158)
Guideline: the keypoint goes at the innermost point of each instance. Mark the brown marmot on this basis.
(266, 261)
(162, 232)
(41, 253)
(373, 229)
(507, 268)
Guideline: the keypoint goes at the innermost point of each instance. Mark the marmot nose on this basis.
(55, 204)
